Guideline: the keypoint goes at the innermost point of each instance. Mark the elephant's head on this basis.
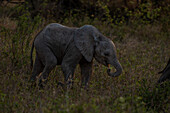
(92, 43)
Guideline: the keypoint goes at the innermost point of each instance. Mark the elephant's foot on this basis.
(69, 84)
(32, 82)
(32, 85)
(65, 86)
(42, 83)
(60, 84)
(32, 79)
(85, 87)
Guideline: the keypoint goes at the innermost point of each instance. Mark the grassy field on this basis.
(143, 50)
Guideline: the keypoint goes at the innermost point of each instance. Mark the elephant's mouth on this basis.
(117, 67)
(106, 63)
(114, 63)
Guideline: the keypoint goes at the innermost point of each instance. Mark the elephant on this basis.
(165, 73)
(57, 44)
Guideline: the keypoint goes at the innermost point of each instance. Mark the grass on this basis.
(143, 50)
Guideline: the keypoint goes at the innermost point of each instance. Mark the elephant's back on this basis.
(57, 37)
(55, 30)
(55, 25)
(60, 27)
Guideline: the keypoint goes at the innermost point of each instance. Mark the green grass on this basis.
(143, 50)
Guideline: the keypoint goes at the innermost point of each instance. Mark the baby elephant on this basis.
(60, 45)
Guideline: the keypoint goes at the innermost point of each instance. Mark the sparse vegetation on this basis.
(141, 36)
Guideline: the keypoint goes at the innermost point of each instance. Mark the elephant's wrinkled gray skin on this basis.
(60, 45)
(165, 73)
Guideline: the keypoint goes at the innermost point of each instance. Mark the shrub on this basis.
(16, 41)
(156, 98)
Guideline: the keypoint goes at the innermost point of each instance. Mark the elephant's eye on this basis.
(106, 53)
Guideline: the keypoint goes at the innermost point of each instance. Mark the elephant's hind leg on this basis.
(37, 69)
(50, 63)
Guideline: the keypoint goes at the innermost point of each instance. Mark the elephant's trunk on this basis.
(118, 67)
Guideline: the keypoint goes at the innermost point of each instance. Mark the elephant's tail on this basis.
(32, 49)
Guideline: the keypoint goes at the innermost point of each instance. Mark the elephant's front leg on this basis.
(68, 71)
(68, 66)
(86, 71)
(69, 63)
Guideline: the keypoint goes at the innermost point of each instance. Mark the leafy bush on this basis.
(17, 39)
(143, 12)
(156, 98)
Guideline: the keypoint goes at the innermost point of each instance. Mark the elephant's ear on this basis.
(85, 43)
